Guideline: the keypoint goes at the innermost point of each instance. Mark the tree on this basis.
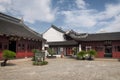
(7, 54)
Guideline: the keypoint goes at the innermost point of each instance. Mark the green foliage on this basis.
(35, 51)
(81, 55)
(92, 52)
(7, 54)
(74, 50)
(36, 63)
(51, 51)
(44, 62)
(40, 63)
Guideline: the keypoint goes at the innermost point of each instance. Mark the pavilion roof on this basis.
(11, 26)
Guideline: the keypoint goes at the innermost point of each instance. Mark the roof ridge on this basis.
(58, 29)
(105, 33)
(8, 17)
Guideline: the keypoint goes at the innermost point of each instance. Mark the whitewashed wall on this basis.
(53, 35)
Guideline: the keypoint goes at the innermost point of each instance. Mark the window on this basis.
(99, 48)
(19, 47)
(117, 48)
(83, 48)
(88, 48)
(23, 47)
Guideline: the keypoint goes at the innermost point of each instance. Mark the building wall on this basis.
(53, 35)
(3, 44)
(65, 50)
(26, 51)
(23, 47)
(115, 51)
(99, 46)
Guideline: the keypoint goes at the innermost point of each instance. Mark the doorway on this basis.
(12, 46)
(108, 51)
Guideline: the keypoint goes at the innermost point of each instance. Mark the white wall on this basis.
(53, 35)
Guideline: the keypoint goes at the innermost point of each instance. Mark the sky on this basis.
(83, 16)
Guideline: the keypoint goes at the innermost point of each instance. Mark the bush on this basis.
(51, 51)
(81, 55)
(7, 54)
(44, 62)
(74, 50)
(34, 51)
(40, 63)
(91, 54)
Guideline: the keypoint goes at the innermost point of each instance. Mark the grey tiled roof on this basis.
(95, 37)
(63, 43)
(14, 27)
(58, 29)
(102, 36)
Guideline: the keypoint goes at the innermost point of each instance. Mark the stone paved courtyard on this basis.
(61, 69)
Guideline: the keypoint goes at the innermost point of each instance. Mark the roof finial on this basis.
(22, 20)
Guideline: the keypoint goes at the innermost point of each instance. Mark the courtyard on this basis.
(61, 69)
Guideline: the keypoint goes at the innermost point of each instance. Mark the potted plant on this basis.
(91, 54)
(7, 54)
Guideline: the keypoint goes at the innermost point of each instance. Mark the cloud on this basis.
(81, 4)
(111, 10)
(79, 18)
(60, 1)
(2, 8)
(5, 1)
(4, 4)
(112, 26)
(111, 18)
(32, 10)
(84, 17)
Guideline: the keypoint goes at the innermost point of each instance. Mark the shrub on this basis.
(91, 54)
(7, 54)
(51, 51)
(74, 50)
(81, 55)
(34, 51)
(40, 63)
(44, 62)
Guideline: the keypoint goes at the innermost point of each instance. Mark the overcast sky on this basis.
(89, 16)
